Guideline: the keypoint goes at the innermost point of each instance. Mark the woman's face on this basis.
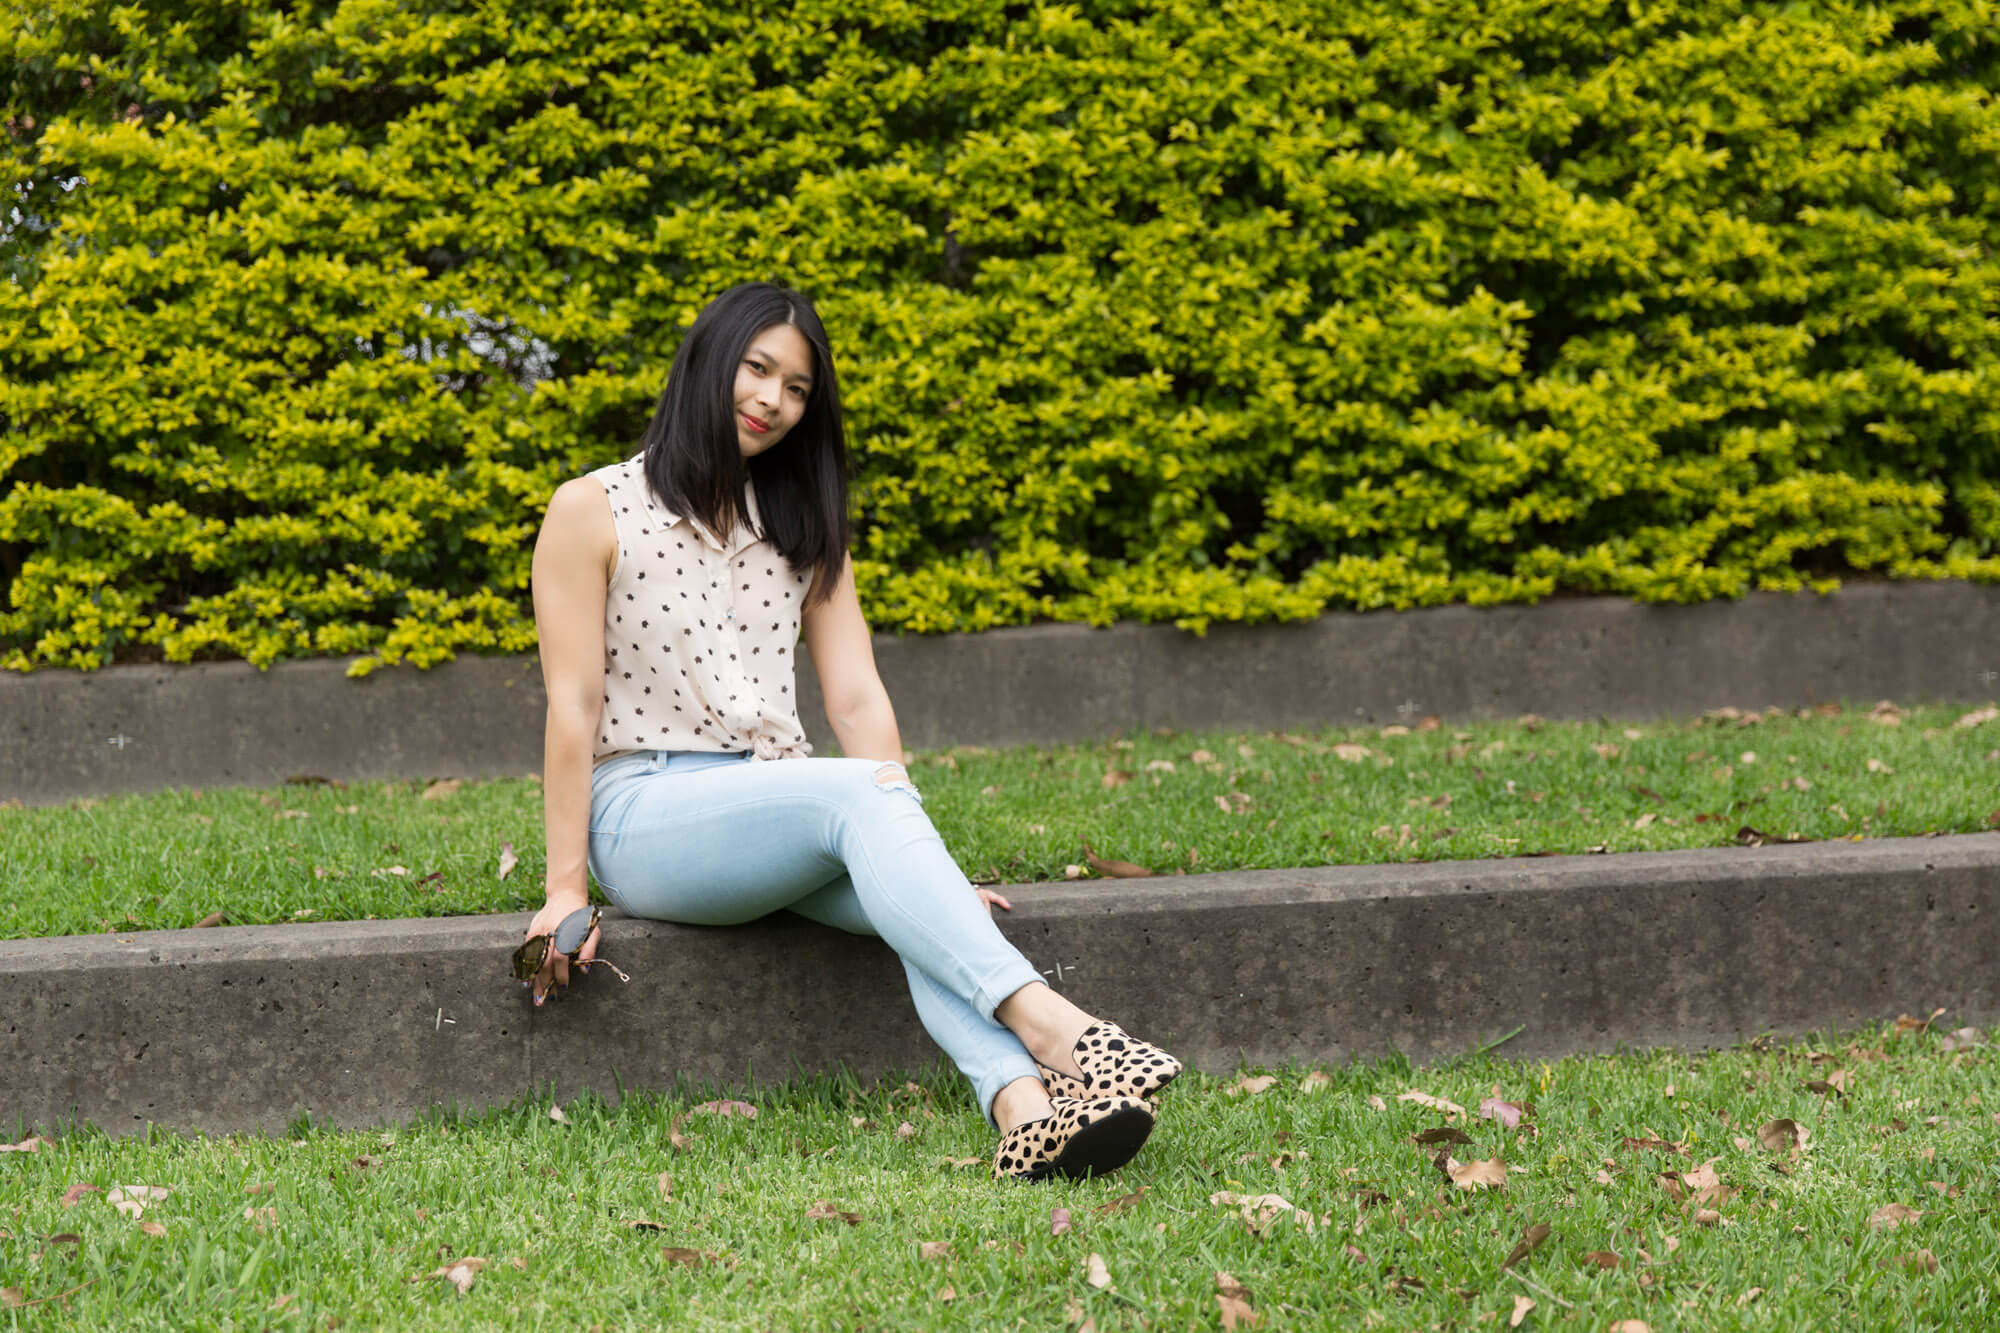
(773, 381)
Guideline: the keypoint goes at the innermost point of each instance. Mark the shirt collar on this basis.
(743, 536)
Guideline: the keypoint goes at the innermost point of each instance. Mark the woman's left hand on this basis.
(992, 900)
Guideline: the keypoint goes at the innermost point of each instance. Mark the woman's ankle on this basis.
(1047, 1023)
(1019, 1102)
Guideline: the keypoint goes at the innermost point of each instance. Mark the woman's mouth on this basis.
(755, 425)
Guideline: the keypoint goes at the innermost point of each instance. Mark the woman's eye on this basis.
(798, 393)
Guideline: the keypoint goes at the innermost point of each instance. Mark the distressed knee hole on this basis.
(894, 777)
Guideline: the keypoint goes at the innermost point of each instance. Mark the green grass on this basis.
(355, 1217)
(321, 851)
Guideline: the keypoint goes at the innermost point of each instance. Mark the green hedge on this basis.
(1185, 311)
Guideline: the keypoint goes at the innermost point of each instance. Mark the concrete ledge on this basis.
(358, 1024)
(65, 734)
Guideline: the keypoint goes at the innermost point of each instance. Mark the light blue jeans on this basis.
(719, 839)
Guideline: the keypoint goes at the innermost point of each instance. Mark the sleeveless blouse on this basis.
(698, 633)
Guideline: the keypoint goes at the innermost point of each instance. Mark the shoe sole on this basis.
(1102, 1145)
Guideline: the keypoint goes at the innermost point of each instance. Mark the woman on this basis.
(669, 590)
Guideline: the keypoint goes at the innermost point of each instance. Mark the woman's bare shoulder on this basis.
(579, 521)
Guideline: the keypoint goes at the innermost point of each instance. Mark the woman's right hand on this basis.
(554, 975)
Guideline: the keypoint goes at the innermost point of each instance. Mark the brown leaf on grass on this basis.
(1097, 1274)
(74, 1194)
(934, 1249)
(1435, 1103)
(1911, 1261)
(442, 788)
(1116, 869)
(1488, 1174)
(1531, 1240)
(906, 1131)
(1978, 717)
(1314, 1081)
(1908, 1023)
(1522, 1306)
(1602, 1259)
(460, 1273)
(1123, 1201)
(1962, 1039)
(153, 1229)
(12, 1298)
(1824, 1087)
(666, 1187)
(1234, 1301)
(1442, 1134)
(727, 1109)
(1892, 1215)
(822, 1211)
(507, 859)
(676, 1254)
(1058, 1221)
(1660, 1144)
(132, 1200)
(1115, 777)
(1260, 1211)
(29, 1144)
(1509, 1114)
(1707, 1217)
(1251, 1086)
(212, 919)
(1631, 1326)
(556, 1114)
(1352, 754)
(1783, 1135)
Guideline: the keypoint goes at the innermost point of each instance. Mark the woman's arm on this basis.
(572, 570)
(857, 707)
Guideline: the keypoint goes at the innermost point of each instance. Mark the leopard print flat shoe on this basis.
(1081, 1138)
(1114, 1064)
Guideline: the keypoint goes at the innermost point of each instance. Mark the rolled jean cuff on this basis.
(990, 991)
(987, 1087)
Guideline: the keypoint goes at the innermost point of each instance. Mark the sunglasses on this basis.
(570, 935)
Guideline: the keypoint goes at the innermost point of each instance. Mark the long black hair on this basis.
(695, 465)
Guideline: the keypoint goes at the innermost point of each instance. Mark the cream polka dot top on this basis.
(698, 634)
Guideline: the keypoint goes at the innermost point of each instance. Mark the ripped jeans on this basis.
(719, 839)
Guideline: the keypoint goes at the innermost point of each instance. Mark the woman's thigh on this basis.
(713, 840)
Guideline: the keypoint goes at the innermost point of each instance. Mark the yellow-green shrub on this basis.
(1180, 311)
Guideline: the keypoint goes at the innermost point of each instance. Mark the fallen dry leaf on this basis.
(1115, 777)
(726, 1109)
(1123, 1201)
(212, 919)
(934, 1249)
(1435, 1103)
(676, 1254)
(1707, 1217)
(1116, 869)
(1442, 1134)
(1314, 1081)
(1631, 1326)
(1783, 1135)
(1509, 1114)
(1251, 1086)
(1963, 1039)
(442, 788)
(1522, 1305)
(1488, 1174)
(1531, 1240)
(906, 1131)
(12, 1298)
(132, 1200)
(1096, 1273)
(1234, 1301)
(152, 1229)
(1914, 1261)
(1352, 754)
(74, 1194)
(1891, 1215)
(666, 1185)
(1058, 1221)
(1260, 1211)
(1603, 1259)
(29, 1144)
(822, 1211)
(460, 1272)
(947, 1293)
(556, 1114)
(507, 859)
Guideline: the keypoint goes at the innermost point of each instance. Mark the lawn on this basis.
(1161, 801)
(1847, 1181)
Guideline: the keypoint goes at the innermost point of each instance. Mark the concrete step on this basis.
(374, 1022)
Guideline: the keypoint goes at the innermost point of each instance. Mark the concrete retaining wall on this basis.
(65, 734)
(358, 1024)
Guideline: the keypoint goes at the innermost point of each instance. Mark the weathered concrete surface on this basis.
(65, 734)
(364, 1023)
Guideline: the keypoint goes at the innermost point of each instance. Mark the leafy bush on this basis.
(1178, 311)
